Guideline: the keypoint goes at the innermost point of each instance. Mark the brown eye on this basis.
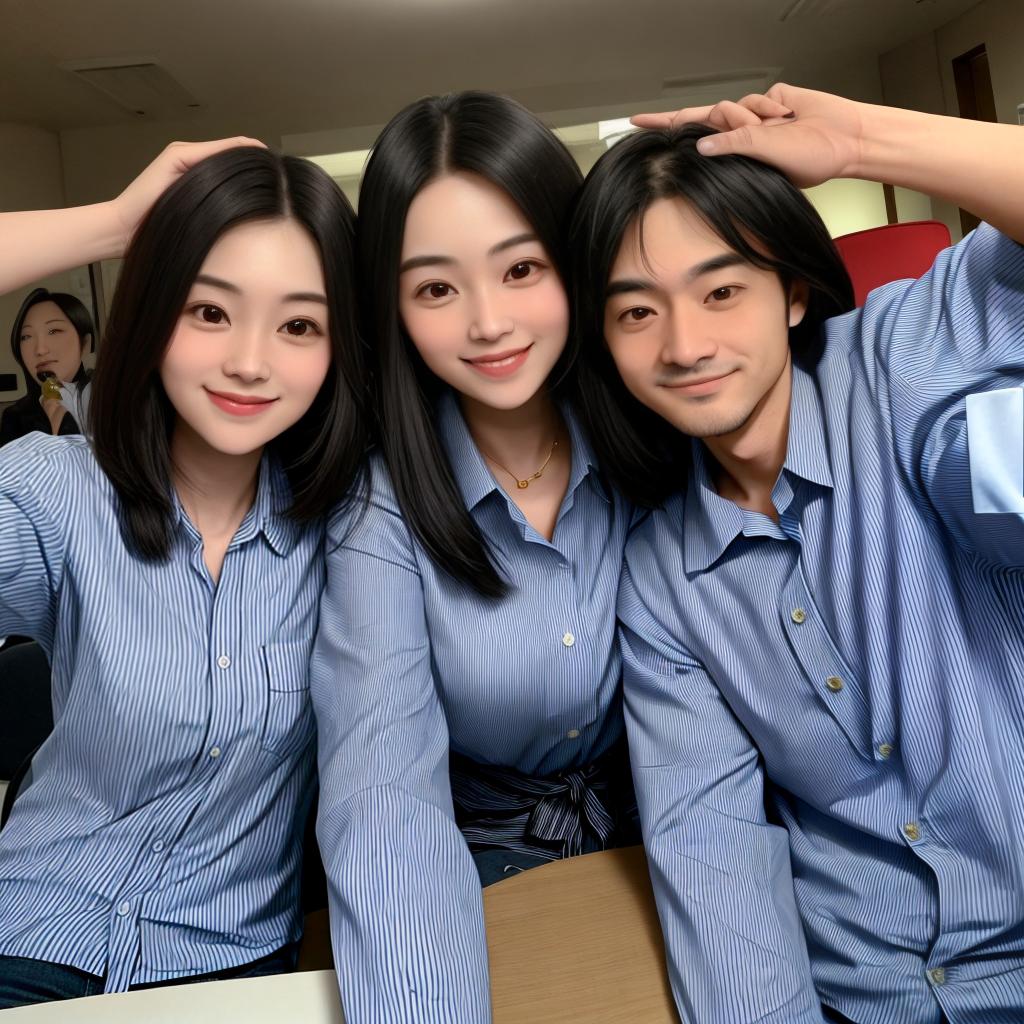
(721, 294)
(298, 328)
(520, 271)
(212, 314)
(638, 313)
(438, 290)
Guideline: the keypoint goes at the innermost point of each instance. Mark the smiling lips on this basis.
(239, 405)
(701, 386)
(500, 364)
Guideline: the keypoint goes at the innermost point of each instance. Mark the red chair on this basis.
(890, 253)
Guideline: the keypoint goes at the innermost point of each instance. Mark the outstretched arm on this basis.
(814, 136)
(38, 243)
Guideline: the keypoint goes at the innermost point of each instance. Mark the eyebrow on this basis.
(415, 262)
(722, 262)
(217, 282)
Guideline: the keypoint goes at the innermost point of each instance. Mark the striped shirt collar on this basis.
(268, 514)
(475, 480)
(714, 522)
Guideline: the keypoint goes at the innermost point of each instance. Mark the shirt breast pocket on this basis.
(288, 723)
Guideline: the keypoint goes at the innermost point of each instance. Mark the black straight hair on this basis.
(131, 417)
(502, 142)
(755, 210)
(79, 318)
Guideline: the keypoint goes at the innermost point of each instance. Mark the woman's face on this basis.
(251, 348)
(478, 293)
(50, 343)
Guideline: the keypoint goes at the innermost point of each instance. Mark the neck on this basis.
(216, 488)
(520, 438)
(751, 457)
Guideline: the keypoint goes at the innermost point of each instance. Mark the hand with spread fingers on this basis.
(810, 136)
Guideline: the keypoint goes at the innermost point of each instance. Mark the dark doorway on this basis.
(976, 100)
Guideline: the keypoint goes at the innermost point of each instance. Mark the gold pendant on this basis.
(522, 484)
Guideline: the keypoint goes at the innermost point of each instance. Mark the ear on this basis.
(86, 342)
(799, 295)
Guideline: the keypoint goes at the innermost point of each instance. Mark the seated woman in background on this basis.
(171, 568)
(51, 333)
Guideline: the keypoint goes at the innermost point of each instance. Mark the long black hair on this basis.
(501, 141)
(755, 210)
(79, 318)
(130, 415)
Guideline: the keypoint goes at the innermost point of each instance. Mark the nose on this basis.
(686, 343)
(245, 358)
(488, 321)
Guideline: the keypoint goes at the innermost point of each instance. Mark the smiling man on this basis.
(826, 619)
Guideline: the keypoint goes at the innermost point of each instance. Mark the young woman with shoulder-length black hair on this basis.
(755, 209)
(51, 333)
(466, 679)
(172, 573)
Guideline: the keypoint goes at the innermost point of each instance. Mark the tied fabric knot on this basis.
(572, 806)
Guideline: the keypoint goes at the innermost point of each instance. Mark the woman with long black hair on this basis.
(171, 569)
(466, 679)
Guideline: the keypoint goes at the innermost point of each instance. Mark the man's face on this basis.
(698, 334)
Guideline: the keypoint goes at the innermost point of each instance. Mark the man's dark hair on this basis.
(504, 143)
(130, 415)
(755, 210)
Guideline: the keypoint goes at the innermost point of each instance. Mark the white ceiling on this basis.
(315, 65)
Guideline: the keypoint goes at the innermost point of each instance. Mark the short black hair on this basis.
(73, 308)
(504, 143)
(131, 417)
(755, 210)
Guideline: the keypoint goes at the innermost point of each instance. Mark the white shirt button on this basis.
(568, 639)
(223, 661)
(215, 752)
(798, 615)
(124, 909)
(158, 846)
(573, 734)
(937, 975)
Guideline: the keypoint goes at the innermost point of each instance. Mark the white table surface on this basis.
(310, 997)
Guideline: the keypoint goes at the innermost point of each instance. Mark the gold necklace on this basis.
(523, 484)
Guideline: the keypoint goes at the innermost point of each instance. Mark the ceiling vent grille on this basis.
(140, 86)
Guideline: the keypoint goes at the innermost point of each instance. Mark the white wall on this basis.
(31, 178)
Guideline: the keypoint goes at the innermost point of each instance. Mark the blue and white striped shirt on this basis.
(864, 660)
(161, 834)
(409, 663)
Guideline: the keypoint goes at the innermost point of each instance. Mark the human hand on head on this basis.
(134, 202)
(810, 136)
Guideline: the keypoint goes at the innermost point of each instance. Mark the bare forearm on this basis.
(974, 164)
(38, 243)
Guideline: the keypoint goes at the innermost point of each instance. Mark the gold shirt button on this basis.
(834, 683)
(884, 749)
(798, 615)
(912, 831)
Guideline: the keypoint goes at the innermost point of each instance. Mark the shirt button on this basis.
(124, 909)
(573, 734)
(798, 615)
(884, 749)
(834, 683)
(223, 661)
(937, 975)
(568, 639)
(215, 752)
(912, 831)
(158, 846)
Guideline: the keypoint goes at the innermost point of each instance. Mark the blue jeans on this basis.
(24, 981)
